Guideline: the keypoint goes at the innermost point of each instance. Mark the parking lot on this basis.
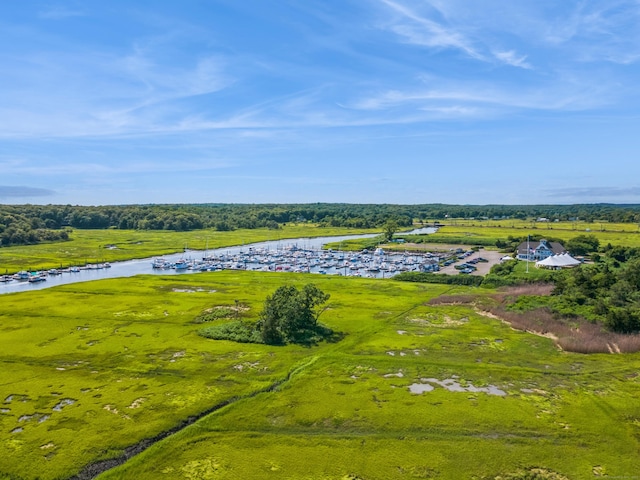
(482, 268)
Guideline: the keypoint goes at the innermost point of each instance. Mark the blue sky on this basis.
(363, 101)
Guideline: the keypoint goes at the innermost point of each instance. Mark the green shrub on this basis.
(470, 280)
(235, 331)
(217, 313)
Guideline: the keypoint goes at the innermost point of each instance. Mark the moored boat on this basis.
(21, 275)
(37, 277)
(160, 263)
(181, 265)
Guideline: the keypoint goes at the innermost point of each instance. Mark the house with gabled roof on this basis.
(534, 251)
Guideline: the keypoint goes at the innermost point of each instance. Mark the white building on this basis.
(539, 250)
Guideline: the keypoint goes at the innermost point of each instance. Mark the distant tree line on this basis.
(25, 228)
(24, 224)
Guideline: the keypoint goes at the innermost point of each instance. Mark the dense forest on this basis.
(28, 224)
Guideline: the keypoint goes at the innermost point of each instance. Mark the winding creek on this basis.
(94, 469)
(130, 268)
(144, 266)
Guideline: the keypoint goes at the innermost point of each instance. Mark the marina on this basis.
(373, 264)
(301, 255)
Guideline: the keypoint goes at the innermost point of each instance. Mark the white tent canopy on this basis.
(564, 260)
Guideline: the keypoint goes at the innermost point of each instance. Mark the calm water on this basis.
(130, 268)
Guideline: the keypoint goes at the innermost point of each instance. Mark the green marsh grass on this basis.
(94, 246)
(127, 352)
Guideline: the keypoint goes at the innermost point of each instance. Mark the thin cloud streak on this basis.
(594, 192)
(8, 191)
(512, 58)
(97, 169)
(423, 31)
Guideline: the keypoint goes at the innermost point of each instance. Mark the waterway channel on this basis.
(130, 268)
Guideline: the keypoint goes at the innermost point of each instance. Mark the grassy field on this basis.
(93, 246)
(91, 368)
(532, 224)
(627, 234)
(487, 232)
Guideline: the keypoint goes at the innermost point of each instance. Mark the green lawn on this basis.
(91, 368)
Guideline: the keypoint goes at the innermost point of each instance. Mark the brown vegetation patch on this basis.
(577, 335)
(510, 294)
(454, 300)
(572, 335)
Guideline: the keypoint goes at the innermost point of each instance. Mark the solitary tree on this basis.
(390, 228)
(290, 315)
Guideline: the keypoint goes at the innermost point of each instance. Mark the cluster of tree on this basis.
(582, 245)
(290, 315)
(223, 217)
(191, 217)
(585, 212)
(606, 291)
(19, 229)
(501, 275)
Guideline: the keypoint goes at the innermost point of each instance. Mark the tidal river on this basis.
(130, 268)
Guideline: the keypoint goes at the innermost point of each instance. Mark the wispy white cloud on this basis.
(596, 31)
(442, 27)
(97, 93)
(593, 31)
(112, 168)
(510, 57)
(476, 98)
(421, 30)
(202, 75)
(404, 66)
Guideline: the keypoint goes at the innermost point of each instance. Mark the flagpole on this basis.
(528, 253)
